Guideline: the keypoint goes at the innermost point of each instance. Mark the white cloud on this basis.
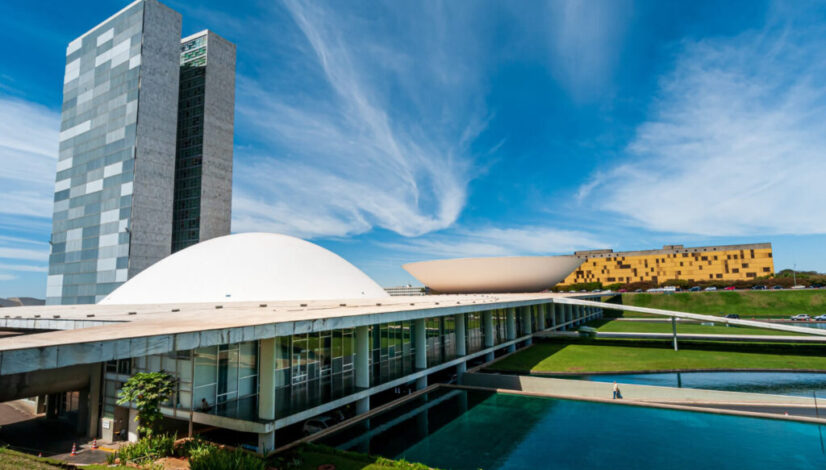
(736, 144)
(24, 254)
(493, 241)
(7, 277)
(28, 151)
(585, 42)
(379, 139)
(23, 268)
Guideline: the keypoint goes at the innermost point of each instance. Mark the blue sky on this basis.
(392, 132)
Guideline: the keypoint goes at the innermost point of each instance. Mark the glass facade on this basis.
(186, 212)
(313, 368)
(223, 380)
(475, 335)
(93, 191)
(309, 369)
(393, 352)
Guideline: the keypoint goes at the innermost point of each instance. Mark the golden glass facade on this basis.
(705, 263)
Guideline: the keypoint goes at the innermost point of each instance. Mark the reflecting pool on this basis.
(459, 429)
(777, 383)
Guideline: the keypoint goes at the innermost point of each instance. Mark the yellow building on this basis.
(704, 263)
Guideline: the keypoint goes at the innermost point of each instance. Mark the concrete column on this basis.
(82, 411)
(554, 311)
(95, 390)
(674, 330)
(363, 405)
(421, 344)
(40, 404)
(541, 312)
(421, 351)
(362, 362)
(511, 328)
(487, 325)
(527, 324)
(266, 384)
(132, 426)
(266, 442)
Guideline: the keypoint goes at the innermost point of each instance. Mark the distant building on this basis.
(407, 290)
(704, 263)
(116, 182)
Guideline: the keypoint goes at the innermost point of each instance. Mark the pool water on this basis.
(459, 429)
(777, 383)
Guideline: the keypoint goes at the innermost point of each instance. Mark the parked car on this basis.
(777, 287)
(638, 290)
(312, 426)
(732, 315)
(798, 287)
(710, 289)
(695, 289)
(730, 288)
(758, 288)
(622, 290)
(821, 317)
(801, 317)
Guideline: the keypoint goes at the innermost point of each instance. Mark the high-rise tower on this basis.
(203, 166)
(116, 171)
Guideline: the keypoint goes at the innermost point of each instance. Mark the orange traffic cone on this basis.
(74, 449)
(94, 443)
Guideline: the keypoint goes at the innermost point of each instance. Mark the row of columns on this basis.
(560, 314)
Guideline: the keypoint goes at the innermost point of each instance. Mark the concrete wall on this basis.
(154, 180)
(219, 119)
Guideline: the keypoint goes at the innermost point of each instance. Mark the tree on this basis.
(146, 391)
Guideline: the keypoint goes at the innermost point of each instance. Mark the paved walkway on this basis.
(572, 388)
(714, 337)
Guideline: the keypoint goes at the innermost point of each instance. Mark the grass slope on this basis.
(13, 460)
(313, 456)
(746, 303)
(598, 356)
(665, 327)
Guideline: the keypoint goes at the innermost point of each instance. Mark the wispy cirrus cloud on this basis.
(736, 144)
(28, 155)
(377, 134)
(493, 241)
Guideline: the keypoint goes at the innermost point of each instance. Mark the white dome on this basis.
(247, 267)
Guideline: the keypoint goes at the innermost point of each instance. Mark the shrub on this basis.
(204, 456)
(146, 449)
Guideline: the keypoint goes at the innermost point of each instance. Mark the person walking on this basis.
(616, 391)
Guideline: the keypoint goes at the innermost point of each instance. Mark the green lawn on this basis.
(604, 356)
(759, 304)
(311, 456)
(665, 327)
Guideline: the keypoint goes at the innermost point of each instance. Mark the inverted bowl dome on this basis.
(503, 274)
(247, 267)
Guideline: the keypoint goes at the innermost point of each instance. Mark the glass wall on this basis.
(313, 368)
(475, 334)
(225, 380)
(393, 351)
(500, 325)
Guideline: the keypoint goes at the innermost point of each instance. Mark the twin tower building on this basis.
(145, 163)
